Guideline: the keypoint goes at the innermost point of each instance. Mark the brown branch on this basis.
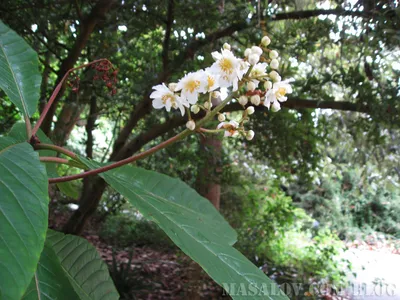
(167, 37)
(91, 120)
(305, 14)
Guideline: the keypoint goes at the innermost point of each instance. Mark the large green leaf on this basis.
(18, 133)
(50, 281)
(84, 267)
(23, 216)
(19, 72)
(194, 225)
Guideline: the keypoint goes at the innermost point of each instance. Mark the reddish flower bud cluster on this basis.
(106, 72)
(256, 92)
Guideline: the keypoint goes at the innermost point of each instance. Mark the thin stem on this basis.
(58, 160)
(146, 153)
(53, 159)
(211, 130)
(56, 149)
(57, 90)
(28, 126)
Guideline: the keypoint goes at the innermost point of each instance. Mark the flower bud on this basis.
(255, 99)
(207, 105)
(172, 86)
(195, 109)
(226, 46)
(273, 54)
(247, 52)
(265, 41)
(216, 94)
(243, 100)
(221, 117)
(274, 64)
(256, 50)
(191, 125)
(251, 86)
(254, 58)
(250, 110)
(250, 135)
(275, 76)
(268, 85)
(275, 106)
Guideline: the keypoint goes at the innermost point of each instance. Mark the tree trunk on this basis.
(93, 189)
(207, 184)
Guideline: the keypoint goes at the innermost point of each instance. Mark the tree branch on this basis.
(98, 12)
(167, 37)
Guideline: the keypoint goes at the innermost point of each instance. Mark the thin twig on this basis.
(55, 148)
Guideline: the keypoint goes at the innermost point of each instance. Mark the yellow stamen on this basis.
(281, 92)
(226, 65)
(210, 81)
(168, 97)
(192, 85)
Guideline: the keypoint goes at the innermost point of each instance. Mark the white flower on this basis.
(254, 58)
(258, 70)
(274, 64)
(191, 125)
(265, 41)
(247, 52)
(191, 85)
(256, 50)
(230, 128)
(250, 135)
(228, 67)
(255, 99)
(250, 110)
(251, 86)
(277, 93)
(273, 54)
(209, 80)
(221, 117)
(243, 100)
(164, 97)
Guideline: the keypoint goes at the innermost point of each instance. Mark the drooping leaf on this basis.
(194, 225)
(84, 267)
(50, 282)
(18, 133)
(20, 78)
(23, 217)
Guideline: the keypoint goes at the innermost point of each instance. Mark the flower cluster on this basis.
(242, 75)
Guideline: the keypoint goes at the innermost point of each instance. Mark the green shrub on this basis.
(274, 232)
(125, 230)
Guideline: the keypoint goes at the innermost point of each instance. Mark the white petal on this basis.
(157, 103)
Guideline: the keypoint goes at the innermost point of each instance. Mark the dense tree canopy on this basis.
(343, 112)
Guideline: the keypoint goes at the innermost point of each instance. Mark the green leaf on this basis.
(50, 281)
(193, 224)
(23, 217)
(18, 133)
(20, 78)
(84, 267)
